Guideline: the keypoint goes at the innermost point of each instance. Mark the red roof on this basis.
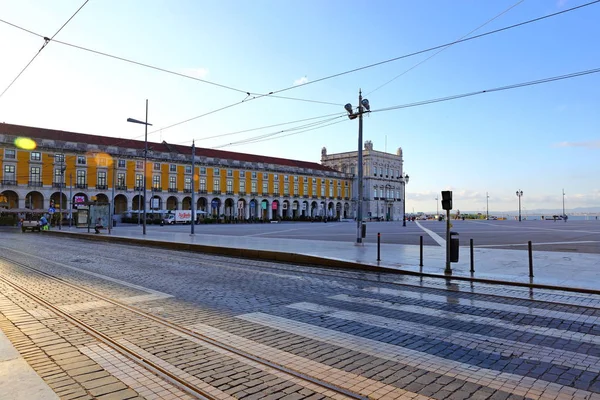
(51, 134)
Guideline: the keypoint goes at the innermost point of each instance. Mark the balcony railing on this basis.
(202, 191)
(9, 182)
(265, 194)
(339, 197)
(305, 196)
(157, 189)
(314, 196)
(229, 193)
(217, 192)
(286, 195)
(241, 193)
(138, 188)
(254, 193)
(81, 186)
(101, 187)
(346, 198)
(173, 190)
(187, 190)
(58, 185)
(121, 187)
(35, 184)
(296, 195)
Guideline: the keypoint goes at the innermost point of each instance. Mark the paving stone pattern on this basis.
(414, 337)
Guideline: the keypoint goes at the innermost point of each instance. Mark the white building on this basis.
(383, 180)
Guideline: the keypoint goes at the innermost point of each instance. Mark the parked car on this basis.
(30, 223)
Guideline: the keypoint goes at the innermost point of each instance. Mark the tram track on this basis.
(155, 368)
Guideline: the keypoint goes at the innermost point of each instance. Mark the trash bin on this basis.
(453, 246)
(363, 230)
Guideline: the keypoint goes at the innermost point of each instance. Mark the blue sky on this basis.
(539, 139)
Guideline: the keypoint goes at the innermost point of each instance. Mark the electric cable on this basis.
(46, 41)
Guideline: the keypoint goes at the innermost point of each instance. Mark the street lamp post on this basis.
(437, 207)
(192, 187)
(145, 123)
(519, 195)
(70, 200)
(60, 185)
(404, 182)
(376, 195)
(363, 104)
(487, 206)
(563, 203)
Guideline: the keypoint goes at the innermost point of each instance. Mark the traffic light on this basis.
(447, 199)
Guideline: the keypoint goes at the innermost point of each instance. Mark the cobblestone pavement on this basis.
(380, 335)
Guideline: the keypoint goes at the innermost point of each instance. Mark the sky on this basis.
(539, 139)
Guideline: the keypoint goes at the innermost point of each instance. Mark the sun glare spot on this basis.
(25, 143)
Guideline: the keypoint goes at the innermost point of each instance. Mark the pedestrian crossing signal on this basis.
(447, 199)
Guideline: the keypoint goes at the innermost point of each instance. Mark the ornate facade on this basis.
(44, 167)
(383, 180)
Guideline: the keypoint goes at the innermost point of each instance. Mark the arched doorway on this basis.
(172, 203)
(34, 200)
(215, 207)
(228, 209)
(346, 210)
(241, 209)
(275, 209)
(137, 203)
(338, 210)
(203, 204)
(305, 208)
(264, 209)
(295, 209)
(79, 198)
(102, 198)
(55, 198)
(186, 203)
(314, 209)
(11, 199)
(120, 204)
(156, 203)
(253, 209)
(285, 209)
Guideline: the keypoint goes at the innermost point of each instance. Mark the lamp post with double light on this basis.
(519, 195)
(404, 182)
(363, 106)
(145, 123)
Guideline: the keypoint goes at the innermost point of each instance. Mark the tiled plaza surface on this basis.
(377, 334)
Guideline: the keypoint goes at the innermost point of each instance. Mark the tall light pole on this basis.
(193, 197)
(487, 206)
(70, 199)
(404, 182)
(363, 104)
(135, 121)
(437, 207)
(60, 185)
(112, 203)
(564, 203)
(519, 195)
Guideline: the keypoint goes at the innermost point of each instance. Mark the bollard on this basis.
(378, 246)
(530, 259)
(472, 258)
(421, 251)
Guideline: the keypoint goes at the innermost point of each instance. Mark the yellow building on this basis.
(44, 167)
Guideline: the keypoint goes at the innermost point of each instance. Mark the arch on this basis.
(346, 210)
(11, 199)
(229, 208)
(275, 209)
(58, 202)
(120, 205)
(156, 203)
(137, 203)
(314, 209)
(338, 210)
(186, 203)
(296, 211)
(215, 207)
(253, 209)
(34, 200)
(286, 211)
(241, 209)
(172, 203)
(102, 198)
(305, 209)
(264, 209)
(78, 198)
(203, 204)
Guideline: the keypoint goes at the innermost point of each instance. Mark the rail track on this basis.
(179, 382)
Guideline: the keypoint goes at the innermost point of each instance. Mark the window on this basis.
(229, 185)
(242, 187)
(34, 174)
(202, 170)
(242, 174)
(295, 189)
(81, 160)
(172, 182)
(58, 158)
(138, 164)
(101, 178)
(352, 170)
(36, 156)
(330, 191)
(286, 188)
(58, 176)
(253, 175)
(339, 191)
(156, 182)
(305, 189)
(121, 179)
(387, 172)
(187, 184)
(217, 171)
(374, 171)
(305, 179)
(172, 168)
(102, 162)
(202, 184)
(375, 192)
(266, 176)
(253, 187)
(346, 192)
(295, 179)
(157, 166)
(230, 173)
(121, 163)
(314, 181)
(322, 190)
(188, 169)
(314, 190)
(276, 177)
(139, 182)
(81, 178)
(9, 172)
(10, 153)
(285, 178)
(216, 187)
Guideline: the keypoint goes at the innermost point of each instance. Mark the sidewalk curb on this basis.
(270, 255)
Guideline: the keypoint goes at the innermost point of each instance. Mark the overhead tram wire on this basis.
(431, 101)
(415, 53)
(444, 48)
(498, 89)
(46, 41)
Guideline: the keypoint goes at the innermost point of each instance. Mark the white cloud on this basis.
(200, 73)
(561, 3)
(301, 81)
(591, 144)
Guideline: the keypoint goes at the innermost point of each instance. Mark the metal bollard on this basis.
(421, 251)
(530, 247)
(472, 257)
(378, 246)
